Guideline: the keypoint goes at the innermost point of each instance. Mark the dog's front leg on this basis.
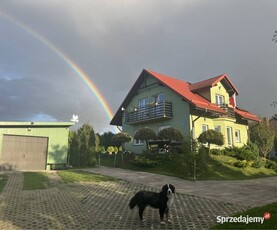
(167, 215)
(162, 211)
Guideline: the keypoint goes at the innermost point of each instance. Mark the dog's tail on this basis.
(133, 202)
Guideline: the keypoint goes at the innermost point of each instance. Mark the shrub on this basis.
(215, 151)
(271, 165)
(143, 161)
(231, 151)
(240, 164)
(258, 163)
(249, 152)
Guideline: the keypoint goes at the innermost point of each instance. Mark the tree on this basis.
(211, 137)
(73, 150)
(145, 134)
(170, 134)
(82, 144)
(263, 135)
(106, 139)
(120, 139)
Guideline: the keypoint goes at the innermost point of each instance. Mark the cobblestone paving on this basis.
(101, 205)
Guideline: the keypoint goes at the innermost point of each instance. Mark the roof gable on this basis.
(182, 88)
(212, 82)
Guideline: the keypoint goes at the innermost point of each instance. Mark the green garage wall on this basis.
(56, 132)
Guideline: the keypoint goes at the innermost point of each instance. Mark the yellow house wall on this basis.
(219, 89)
(223, 123)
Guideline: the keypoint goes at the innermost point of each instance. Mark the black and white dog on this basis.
(162, 201)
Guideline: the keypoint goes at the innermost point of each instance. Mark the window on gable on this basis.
(219, 100)
(143, 102)
(143, 110)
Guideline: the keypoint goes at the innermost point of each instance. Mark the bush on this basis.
(271, 165)
(215, 151)
(249, 152)
(258, 163)
(143, 161)
(231, 151)
(240, 164)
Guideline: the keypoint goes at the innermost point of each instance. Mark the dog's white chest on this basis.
(170, 200)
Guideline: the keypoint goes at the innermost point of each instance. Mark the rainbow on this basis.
(80, 73)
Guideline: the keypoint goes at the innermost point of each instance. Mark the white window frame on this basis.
(237, 136)
(229, 131)
(219, 100)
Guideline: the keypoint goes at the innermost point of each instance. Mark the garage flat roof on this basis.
(35, 124)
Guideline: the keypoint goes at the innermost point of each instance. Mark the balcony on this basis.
(151, 112)
(230, 112)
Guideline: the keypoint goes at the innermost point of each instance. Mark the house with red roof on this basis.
(158, 101)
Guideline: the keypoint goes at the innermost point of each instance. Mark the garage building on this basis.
(33, 145)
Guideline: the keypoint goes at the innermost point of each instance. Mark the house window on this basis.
(237, 136)
(143, 111)
(137, 141)
(217, 128)
(158, 98)
(219, 100)
(143, 102)
(204, 128)
(230, 136)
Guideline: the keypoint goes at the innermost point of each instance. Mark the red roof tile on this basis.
(182, 88)
(212, 82)
(247, 115)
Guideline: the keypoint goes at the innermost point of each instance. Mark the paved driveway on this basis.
(99, 206)
(256, 192)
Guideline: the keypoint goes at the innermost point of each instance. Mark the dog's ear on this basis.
(172, 188)
(165, 188)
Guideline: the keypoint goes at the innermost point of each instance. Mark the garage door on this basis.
(24, 152)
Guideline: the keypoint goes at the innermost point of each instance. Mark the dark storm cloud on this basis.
(112, 41)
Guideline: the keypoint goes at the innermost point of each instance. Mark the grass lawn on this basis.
(72, 176)
(3, 181)
(35, 180)
(218, 168)
(255, 212)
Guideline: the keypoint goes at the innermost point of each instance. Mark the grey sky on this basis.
(112, 41)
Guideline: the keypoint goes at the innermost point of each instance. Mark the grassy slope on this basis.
(218, 168)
